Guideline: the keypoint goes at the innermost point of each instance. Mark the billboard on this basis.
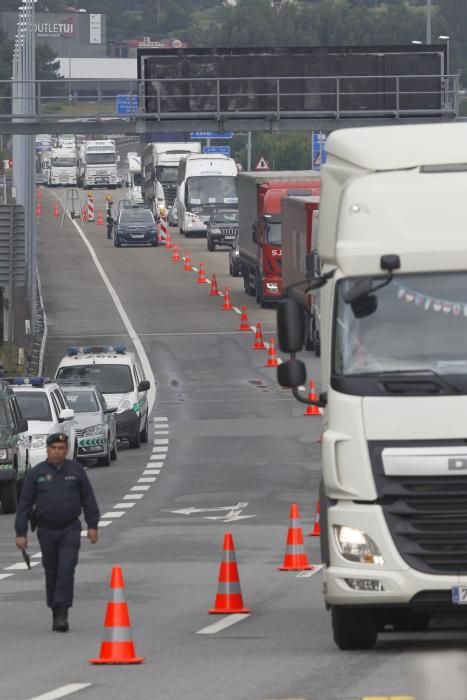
(68, 34)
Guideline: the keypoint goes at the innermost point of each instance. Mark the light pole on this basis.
(428, 22)
(446, 38)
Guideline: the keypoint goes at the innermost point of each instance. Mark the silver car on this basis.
(96, 433)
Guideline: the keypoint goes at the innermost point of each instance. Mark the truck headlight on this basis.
(272, 286)
(355, 545)
(5, 453)
(93, 430)
(124, 405)
(38, 442)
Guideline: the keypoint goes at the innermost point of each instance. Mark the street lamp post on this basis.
(428, 22)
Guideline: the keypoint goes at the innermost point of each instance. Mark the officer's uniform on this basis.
(110, 224)
(57, 495)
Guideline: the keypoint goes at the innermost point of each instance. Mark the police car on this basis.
(119, 377)
(44, 406)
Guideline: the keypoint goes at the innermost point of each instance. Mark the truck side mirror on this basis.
(254, 233)
(290, 326)
(291, 374)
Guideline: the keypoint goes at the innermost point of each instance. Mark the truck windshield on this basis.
(212, 189)
(137, 179)
(273, 232)
(167, 174)
(100, 158)
(63, 162)
(420, 324)
(109, 379)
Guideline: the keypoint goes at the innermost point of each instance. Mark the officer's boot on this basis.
(60, 620)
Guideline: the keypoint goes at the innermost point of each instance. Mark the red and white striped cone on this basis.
(90, 207)
(227, 305)
(316, 532)
(229, 597)
(272, 360)
(311, 410)
(201, 275)
(244, 323)
(214, 291)
(295, 559)
(187, 267)
(176, 254)
(117, 645)
(259, 341)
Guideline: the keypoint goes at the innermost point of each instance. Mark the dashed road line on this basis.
(133, 497)
(21, 566)
(62, 692)
(105, 523)
(140, 488)
(2, 576)
(130, 504)
(224, 623)
(113, 514)
(147, 479)
(161, 441)
(306, 574)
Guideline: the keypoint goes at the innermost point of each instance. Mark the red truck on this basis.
(260, 232)
(300, 262)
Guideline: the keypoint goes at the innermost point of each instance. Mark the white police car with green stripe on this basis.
(119, 377)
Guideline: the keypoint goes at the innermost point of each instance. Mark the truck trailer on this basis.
(300, 261)
(260, 231)
(393, 250)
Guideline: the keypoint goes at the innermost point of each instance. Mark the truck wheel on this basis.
(317, 342)
(105, 461)
(211, 245)
(354, 628)
(144, 434)
(309, 332)
(9, 496)
(135, 443)
(258, 289)
(246, 283)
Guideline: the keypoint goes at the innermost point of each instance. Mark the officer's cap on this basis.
(56, 437)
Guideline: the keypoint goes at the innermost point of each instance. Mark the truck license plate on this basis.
(459, 595)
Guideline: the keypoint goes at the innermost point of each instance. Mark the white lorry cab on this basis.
(133, 178)
(393, 245)
(61, 167)
(98, 164)
(161, 161)
(204, 183)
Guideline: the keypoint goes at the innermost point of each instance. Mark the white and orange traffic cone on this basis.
(244, 323)
(295, 559)
(187, 267)
(259, 341)
(312, 410)
(214, 291)
(273, 360)
(201, 275)
(229, 597)
(316, 532)
(227, 305)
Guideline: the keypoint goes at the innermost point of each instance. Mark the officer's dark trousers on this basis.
(109, 231)
(60, 550)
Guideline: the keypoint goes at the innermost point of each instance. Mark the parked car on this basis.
(96, 432)
(222, 228)
(44, 406)
(235, 263)
(135, 226)
(14, 448)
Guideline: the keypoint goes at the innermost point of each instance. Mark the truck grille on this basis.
(170, 191)
(427, 518)
(229, 231)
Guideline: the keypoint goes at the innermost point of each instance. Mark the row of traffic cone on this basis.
(117, 646)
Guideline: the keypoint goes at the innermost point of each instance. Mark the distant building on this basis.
(128, 48)
(77, 34)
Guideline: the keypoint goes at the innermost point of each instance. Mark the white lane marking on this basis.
(160, 419)
(160, 450)
(84, 533)
(2, 576)
(125, 505)
(105, 523)
(156, 456)
(113, 514)
(224, 623)
(62, 692)
(147, 480)
(44, 334)
(37, 555)
(237, 310)
(133, 497)
(151, 472)
(21, 566)
(162, 432)
(122, 313)
(306, 574)
(140, 488)
(161, 441)
(155, 465)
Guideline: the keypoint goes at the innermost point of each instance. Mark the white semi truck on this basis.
(97, 164)
(393, 246)
(133, 178)
(161, 161)
(61, 168)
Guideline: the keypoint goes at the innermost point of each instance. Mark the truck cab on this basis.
(394, 378)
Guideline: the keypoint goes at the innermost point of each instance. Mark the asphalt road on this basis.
(224, 436)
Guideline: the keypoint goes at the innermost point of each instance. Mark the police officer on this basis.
(110, 223)
(53, 495)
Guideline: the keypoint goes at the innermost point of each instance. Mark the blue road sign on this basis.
(318, 152)
(225, 150)
(127, 104)
(211, 135)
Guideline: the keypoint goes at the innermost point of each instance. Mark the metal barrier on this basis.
(338, 98)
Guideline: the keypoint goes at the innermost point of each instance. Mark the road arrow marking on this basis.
(233, 512)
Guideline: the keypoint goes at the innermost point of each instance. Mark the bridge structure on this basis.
(273, 104)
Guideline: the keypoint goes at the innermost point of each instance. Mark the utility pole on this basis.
(428, 22)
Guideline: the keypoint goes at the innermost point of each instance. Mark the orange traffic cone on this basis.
(227, 306)
(316, 532)
(272, 360)
(201, 275)
(175, 254)
(312, 410)
(295, 558)
(259, 342)
(38, 193)
(56, 210)
(214, 292)
(229, 597)
(100, 218)
(38, 208)
(117, 646)
(244, 323)
(187, 266)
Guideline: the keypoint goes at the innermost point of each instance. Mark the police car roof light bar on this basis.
(95, 348)
(120, 349)
(27, 381)
(72, 350)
